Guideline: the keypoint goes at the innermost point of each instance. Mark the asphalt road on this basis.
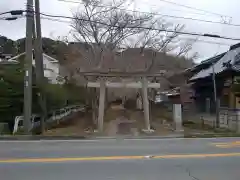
(149, 159)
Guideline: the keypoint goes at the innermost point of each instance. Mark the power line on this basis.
(3, 13)
(13, 12)
(197, 9)
(67, 17)
(208, 42)
(129, 27)
(55, 20)
(9, 18)
(147, 28)
(179, 10)
(198, 40)
(163, 15)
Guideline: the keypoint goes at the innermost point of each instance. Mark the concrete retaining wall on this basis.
(229, 119)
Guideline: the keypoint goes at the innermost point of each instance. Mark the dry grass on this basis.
(74, 127)
(80, 124)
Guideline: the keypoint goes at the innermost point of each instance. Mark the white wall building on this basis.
(50, 65)
(51, 69)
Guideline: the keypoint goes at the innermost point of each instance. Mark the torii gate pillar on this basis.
(101, 107)
(145, 103)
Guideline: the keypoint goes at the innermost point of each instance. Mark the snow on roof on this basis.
(44, 55)
(230, 57)
(53, 60)
(16, 57)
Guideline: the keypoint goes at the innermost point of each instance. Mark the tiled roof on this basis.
(207, 62)
(231, 57)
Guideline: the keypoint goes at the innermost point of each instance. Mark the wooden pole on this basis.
(101, 105)
(145, 103)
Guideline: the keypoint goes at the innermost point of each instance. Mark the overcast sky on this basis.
(16, 29)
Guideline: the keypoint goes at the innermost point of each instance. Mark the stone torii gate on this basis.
(102, 83)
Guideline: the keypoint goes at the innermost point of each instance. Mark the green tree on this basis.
(12, 92)
(59, 96)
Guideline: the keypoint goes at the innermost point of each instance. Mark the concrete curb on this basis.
(30, 138)
(139, 137)
(174, 136)
(39, 137)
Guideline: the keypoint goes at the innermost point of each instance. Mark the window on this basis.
(237, 59)
(224, 100)
(44, 66)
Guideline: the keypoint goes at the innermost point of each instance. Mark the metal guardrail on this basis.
(55, 116)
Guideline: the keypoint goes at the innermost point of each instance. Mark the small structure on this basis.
(219, 106)
(226, 67)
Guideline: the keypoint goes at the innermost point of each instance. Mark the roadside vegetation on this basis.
(12, 95)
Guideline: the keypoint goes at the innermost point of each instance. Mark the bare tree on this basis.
(157, 36)
(105, 28)
(160, 40)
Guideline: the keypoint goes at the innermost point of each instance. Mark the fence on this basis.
(229, 118)
(53, 117)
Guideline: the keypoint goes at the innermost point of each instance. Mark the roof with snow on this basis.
(230, 59)
(53, 60)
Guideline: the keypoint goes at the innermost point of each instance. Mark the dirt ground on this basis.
(117, 121)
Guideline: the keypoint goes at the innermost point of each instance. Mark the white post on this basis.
(145, 103)
(177, 116)
(101, 105)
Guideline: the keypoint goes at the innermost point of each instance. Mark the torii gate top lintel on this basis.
(105, 76)
(121, 74)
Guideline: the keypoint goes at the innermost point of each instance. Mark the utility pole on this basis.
(215, 96)
(39, 65)
(28, 68)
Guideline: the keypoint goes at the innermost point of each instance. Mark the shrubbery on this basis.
(12, 94)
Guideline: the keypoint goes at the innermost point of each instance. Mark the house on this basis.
(50, 66)
(5, 59)
(225, 68)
